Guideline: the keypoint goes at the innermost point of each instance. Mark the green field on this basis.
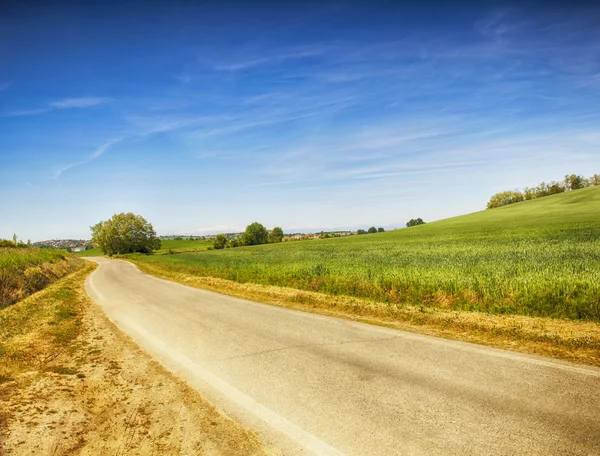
(26, 270)
(166, 245)
(538, 258)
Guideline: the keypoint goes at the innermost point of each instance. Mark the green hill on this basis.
(539, 257)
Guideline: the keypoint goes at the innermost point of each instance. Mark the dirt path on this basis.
(109, 398)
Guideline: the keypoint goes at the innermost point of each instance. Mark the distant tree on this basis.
(276, 235)
(504, 198)
(575, 182)
(594, 180)
(255, 234)
(380, 230)
(220, 242)
(361, 231)
(415, 222)
(372, 230)
(125, 233)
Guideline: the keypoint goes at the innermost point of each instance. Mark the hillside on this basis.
(539, 257)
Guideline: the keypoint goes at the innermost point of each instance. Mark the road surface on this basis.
(318, 385)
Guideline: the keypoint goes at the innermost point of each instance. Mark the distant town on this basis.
(80, 245)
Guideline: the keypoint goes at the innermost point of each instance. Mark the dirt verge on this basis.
(96, 392)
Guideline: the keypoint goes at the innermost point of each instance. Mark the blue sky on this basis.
(316, 115)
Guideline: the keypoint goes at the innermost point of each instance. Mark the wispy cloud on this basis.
(261, 58)
(67, 103)
(58, 171)
(83, 102)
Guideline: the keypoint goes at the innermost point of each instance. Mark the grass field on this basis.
(24, 271)
(166, 245)
(536, 258)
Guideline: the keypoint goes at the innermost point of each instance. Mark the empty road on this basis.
(318, 385)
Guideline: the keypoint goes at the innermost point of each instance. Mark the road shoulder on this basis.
(98, 393)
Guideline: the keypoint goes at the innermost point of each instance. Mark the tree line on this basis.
(569, 183)
(255, 234)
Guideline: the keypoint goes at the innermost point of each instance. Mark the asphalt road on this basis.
(318, 385)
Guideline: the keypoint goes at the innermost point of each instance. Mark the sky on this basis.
(205, 117)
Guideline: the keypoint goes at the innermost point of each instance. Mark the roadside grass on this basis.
(24, 271)
(537, 258)
(575, 341)
(36, 330)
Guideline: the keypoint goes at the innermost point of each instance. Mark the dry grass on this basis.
(72, 383)
(576, 341)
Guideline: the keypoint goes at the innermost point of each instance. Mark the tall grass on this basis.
(24, 271)
(538, 258)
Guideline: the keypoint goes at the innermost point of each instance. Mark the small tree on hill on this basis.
(255, 234)
(125, 233)
(415, 222)
(372, 230)
(276, 235)
(220, 242)
(361, 231)
(380, 230)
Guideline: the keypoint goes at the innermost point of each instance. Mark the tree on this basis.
(415, 222)
(255, 234)
(125, 233)
(219, 242)
(361, 231)
(510, 197)
(276, 235)
(380, 230)
(372, 230)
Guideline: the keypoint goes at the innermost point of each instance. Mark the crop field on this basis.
(536, 258)
(26, 270)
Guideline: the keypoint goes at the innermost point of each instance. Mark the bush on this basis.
(372, 230)
(220, 242)
(415, 222)
(504, 198)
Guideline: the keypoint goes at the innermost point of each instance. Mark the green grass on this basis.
(166, 245)
(183, 246)
(537, 258)
(24, 271)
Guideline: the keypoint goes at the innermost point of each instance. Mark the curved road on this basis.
(318, 385)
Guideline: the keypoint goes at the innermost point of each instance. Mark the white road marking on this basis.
(308, 441)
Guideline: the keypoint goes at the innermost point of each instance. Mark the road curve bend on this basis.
(311, 384)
